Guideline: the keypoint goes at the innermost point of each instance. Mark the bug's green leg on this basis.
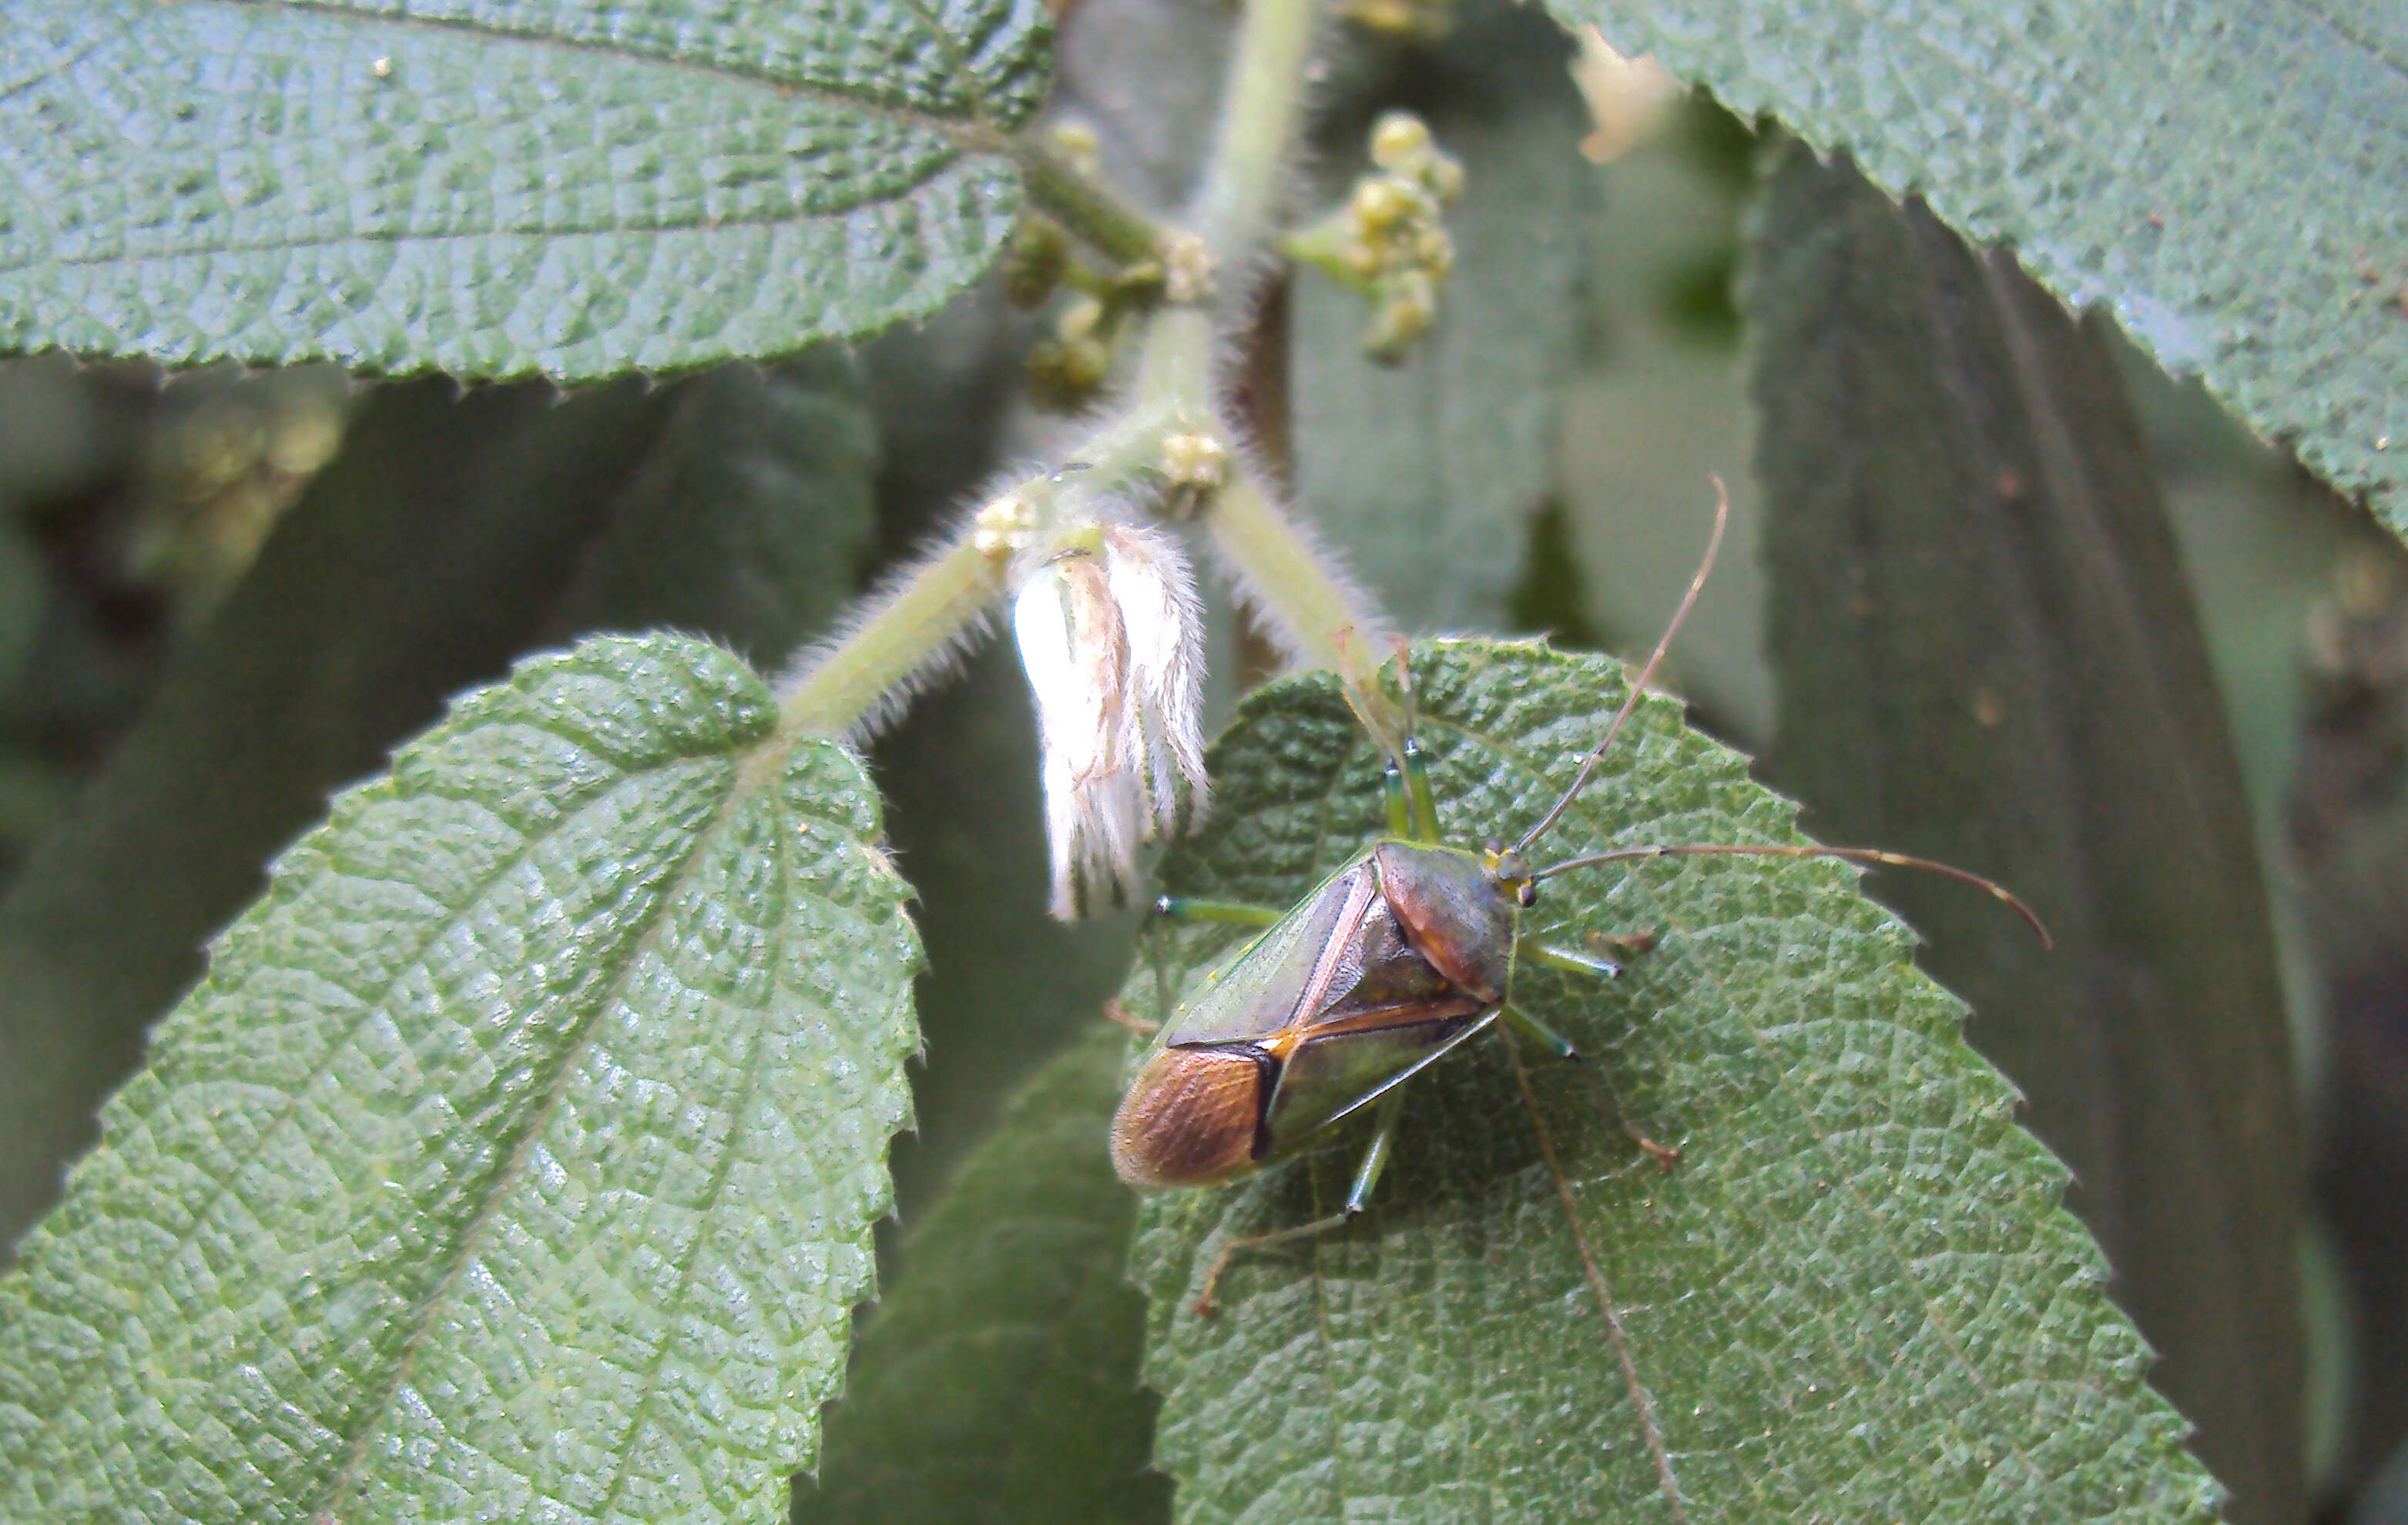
(1538, 1033)
(1555, 1043)
(1391, 787)
(1421, 805)
(1366, 1175)
(1234, 912)
(1565, 959)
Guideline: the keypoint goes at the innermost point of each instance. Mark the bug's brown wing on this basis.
(1193, 1116)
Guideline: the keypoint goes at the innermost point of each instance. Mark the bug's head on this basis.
(1509, 874)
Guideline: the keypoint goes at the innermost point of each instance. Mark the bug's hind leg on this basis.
(1538, 1033)
(1367, 1176)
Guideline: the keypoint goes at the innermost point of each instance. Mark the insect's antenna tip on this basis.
(2032, 918)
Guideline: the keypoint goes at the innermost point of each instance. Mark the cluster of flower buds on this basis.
(1067, 370)
(1387, 240)
(1112, 636)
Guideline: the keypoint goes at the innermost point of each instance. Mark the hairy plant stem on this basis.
(1313, 613)
(915, 623)
(1261, 107)
(923, 618)
(1088, 210)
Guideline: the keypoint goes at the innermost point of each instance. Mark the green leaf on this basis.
(1856, 1296)
(518, 1156)
(450, 535)
(999, 1378)
(2218, 175)
(492, 189)
(1978, 607)
(1427, 473)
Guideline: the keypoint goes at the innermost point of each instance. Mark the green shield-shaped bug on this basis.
(1406, 952)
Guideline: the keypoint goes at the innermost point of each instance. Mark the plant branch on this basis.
(931, 610)
(1314, 609)
(1089, 211)
(1260, 113)
(909, 627)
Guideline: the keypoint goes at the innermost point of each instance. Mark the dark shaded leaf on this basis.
(997, 1381)
(1988, 655)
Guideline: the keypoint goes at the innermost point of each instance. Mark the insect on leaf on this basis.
(517, 1158)
(493, 189)
(1856, 1296)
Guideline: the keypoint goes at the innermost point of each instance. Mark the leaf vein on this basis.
(621, 1453)
(373, 1411)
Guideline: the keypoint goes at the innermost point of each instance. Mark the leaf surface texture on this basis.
(517, 1157)
(499, 186)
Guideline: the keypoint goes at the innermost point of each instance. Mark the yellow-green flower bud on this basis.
(1397, 138)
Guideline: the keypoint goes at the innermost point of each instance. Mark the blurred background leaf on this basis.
(2224, 177)
(1427, 473)
(450, 535)
(1658, 405)
(128, 508)
(579, 189)
(2347, 839)
(1987, 656)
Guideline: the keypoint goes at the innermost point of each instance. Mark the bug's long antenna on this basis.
(1860, 855)
(1646, 675)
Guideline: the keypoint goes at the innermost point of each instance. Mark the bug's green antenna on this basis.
(1646, 675)
(1858, 855)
